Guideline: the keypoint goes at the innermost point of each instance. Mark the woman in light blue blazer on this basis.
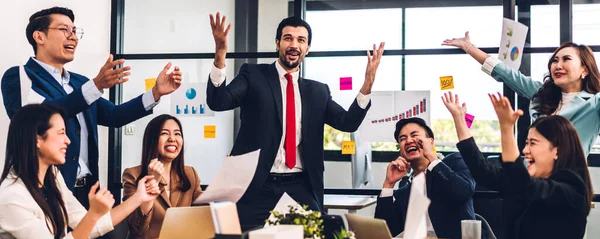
(570, 88)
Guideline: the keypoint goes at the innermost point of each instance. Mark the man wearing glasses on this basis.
(54, 38)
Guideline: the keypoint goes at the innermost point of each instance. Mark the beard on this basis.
(290, 64)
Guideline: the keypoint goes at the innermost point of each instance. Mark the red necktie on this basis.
(290, 124)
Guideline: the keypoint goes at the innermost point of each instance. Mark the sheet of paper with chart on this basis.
(512, 42)
(387, 107)
(190, 100)
(28, 95)
(232, 180)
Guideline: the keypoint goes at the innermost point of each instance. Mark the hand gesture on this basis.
(166, 83)
(453, 105)
(147, 189)
(155, 168)
(426, 148)
(395, 171)
(506, 115)
(100, 202)
(372, 64)
(108, 77)
(219, 32)
(461, 43)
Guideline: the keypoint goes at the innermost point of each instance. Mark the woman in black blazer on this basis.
(548, 198)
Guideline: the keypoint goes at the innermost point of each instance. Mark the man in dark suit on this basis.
(54, 38)
(449, 183)
(283, 115)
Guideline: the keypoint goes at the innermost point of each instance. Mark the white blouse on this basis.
(22, 217)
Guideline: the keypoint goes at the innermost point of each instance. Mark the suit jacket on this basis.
(450, 188)
(148, 226)
(257, 91)
(100, 112)
(583, 111)
(22, 217)
(553, 207)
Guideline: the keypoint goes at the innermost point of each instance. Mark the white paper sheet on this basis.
(387, 107)
(232, 180)
(28, 95)
(282, 206)
(512, 43)
(418, 204)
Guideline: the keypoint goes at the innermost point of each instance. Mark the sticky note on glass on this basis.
(345, 83)
(348, 147)
(433, 149)
(150, 82)
(469, 119)
(446, 82)
(210, 131)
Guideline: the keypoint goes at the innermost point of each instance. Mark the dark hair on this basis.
(403, 122)
(22, 160)
(549, 95)
(150, 149)
(562, 134)
(293, 22)
(40, 21)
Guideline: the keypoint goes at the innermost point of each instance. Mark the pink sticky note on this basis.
(345, 83)
(469, 118)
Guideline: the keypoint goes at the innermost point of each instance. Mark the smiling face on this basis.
(53, 47)
(52, 146)
(408, 138)
(567, 69)
(170, 141)
(540, 154)
(293, 47)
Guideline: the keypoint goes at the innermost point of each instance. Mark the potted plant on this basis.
(297, 215)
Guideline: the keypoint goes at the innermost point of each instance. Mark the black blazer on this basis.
(257, 91)
(100, 112)
(553, 207)
(450, 188)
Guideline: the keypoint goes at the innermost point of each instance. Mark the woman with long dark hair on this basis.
(35, 201)
(570, 88)
(162, 156)
(551, 197)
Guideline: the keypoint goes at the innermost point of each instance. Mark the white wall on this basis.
(92, 51)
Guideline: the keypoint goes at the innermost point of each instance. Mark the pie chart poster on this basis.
(190, 100)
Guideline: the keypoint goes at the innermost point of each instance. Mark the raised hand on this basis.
(395, 171)
(100, 202)
(109, 77)
(372, 64)
(147, 189)
(155, 168)
(507, 117)
(166, 83)
(217, 24)
(453, 105)
(462, 43)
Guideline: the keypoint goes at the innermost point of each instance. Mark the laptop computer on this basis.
(368, 228)
(187, 222)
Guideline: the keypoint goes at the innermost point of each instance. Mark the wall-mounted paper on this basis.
(149, 83)
(469, 119)
(210, 131)
(190, 100)
(446, 82)
(345, 83)
(512, 42)
(348, 147)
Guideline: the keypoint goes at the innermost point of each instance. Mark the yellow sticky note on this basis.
(433, 148)
(446, 82)
(210, 131)
(348, 147)
(150, 82)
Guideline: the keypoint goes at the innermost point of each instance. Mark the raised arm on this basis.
(507, 118)
(465, 44)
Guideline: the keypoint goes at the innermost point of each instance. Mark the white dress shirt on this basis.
(90, 94)
(217, 77)
(389, 192)
(22, 217)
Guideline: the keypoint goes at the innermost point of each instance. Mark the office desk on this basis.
(352, 203)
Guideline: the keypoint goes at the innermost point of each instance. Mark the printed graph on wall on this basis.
(387, 107)
(190, 100)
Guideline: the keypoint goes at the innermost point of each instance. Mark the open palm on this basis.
(506, 115)
(453, 105)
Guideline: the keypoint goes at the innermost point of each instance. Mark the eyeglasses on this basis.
(69, 31)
